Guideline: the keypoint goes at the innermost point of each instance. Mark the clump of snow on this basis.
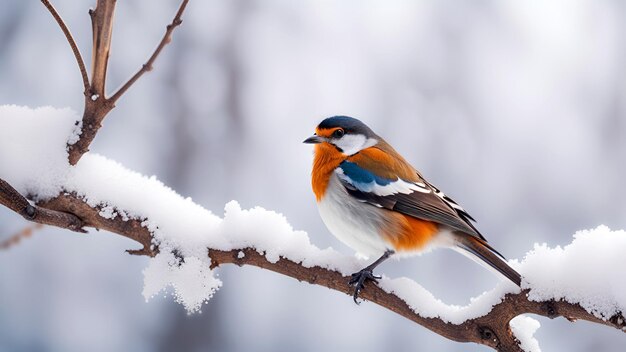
(108, 212)
(33, 155)
(266, 231)
(524, 328)
(422, 302)
(76, 132)
(589, 271)
(192, 279)
(272, 235)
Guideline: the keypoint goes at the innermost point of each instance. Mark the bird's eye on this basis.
(338, 133)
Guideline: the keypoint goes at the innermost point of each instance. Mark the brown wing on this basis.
(419, 204)
(381, 177)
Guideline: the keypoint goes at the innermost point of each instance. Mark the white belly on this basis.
(354, 223)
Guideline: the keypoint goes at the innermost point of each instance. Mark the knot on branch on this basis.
(486, 334)
(618, 320)
(550, 309)
(175, 23)
(30, 212)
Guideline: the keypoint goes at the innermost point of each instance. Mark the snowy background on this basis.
(516, 109)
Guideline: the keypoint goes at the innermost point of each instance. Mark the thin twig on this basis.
(148, 65)
(70, 40)
(16, 238)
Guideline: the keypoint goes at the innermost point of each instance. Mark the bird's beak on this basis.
(314, 139)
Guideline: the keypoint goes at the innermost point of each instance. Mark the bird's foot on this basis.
(358, 281)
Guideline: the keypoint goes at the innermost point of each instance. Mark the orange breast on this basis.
(327, 159)
(409, 234)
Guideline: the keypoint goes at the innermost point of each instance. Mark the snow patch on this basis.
(524, 327)
(33, 155)
(588, 271)
(422, 302)
(192, 279)
(76, 132)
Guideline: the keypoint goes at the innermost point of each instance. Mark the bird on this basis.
(375, 202)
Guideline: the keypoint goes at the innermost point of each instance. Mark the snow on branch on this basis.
(187, 242)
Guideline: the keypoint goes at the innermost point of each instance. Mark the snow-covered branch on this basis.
(187, 242)
(491, 329)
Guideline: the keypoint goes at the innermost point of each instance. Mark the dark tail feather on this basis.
(482, 252)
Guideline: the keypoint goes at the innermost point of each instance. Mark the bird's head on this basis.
(348, 135)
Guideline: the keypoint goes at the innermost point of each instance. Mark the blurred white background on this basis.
(514, 108)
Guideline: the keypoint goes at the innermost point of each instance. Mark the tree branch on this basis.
(491, 329)
(167, 38)
(10, 198)
(90, 217)
(102, 30)
(96, 104)
(70, 40)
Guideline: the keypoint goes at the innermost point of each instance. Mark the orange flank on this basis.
(385, 162)
(327, 159)
(413, 234)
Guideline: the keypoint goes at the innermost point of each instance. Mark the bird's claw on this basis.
(358, 281)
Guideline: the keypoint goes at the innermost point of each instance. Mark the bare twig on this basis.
(167, 37)
(70, 40)
(16, 238)
(491, 329)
